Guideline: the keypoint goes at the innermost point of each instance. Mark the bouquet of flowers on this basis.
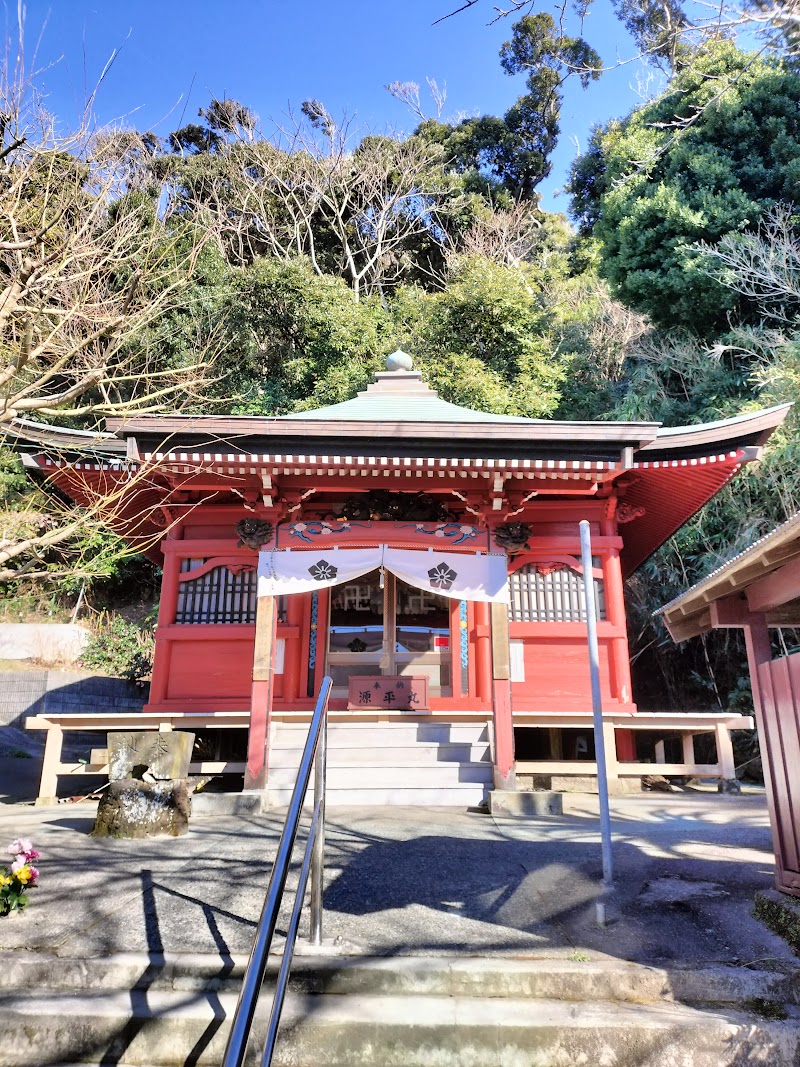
(18, 877)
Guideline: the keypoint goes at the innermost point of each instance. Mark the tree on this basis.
(83, 276)
(490, 338)
(667, 31)
(514, 152)
(91, 267)
(224, 120)
(299, 339)
(710, 157)
(370, 212)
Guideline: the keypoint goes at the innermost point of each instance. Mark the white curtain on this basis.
(458, 575)
(281, 573)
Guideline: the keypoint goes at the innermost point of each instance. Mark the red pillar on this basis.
(167, 608)
(626, 746)
(292, 658)
(483, 654)
(615, 610)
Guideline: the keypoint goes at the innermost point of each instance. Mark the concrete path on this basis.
(417, 881)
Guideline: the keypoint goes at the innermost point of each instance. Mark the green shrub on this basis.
(120, 648)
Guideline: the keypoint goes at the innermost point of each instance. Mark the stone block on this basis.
(508, 802)
(729, 785)
(164, 755)
(130, 808)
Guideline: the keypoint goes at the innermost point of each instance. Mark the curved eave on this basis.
(666, 497)
(678, 473)
(751, 429)
(27, 436)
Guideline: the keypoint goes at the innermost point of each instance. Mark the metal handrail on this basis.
(316, 746)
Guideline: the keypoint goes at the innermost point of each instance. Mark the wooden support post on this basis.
(48, 786)
(455, 647)
(556, 743)
(687, 740)
(504, 775)
(612, 763)
(759, 650)
(255, 775)
(661, 756)
(727, 767)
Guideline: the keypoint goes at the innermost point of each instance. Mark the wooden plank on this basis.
(624, 770)
(776, 588)
(264, 639)
(48, 784)
(775, 766)
(501, 654)
(790, 727)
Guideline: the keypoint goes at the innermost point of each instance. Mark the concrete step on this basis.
(463, 795)
(414, 775)
(283, 755)
(355, 733)
(144, 1028)
(491, 978)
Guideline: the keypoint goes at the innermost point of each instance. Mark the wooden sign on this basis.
(388, 692)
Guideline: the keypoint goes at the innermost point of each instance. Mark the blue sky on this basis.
(174, 55)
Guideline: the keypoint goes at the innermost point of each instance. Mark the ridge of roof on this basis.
(403, 396)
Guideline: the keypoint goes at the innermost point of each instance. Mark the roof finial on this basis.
(399, 360)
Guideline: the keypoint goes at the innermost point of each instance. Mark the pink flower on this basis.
(34, 878)
(20, 846)
(18, 864)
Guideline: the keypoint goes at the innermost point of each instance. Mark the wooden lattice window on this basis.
(551, 593)
(221, 595)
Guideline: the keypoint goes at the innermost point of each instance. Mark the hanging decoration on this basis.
(281, 573)
(459, 575)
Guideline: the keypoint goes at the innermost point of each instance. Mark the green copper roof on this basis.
(400, 395)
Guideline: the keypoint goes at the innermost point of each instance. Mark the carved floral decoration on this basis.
(307, 531)
(629, 512)
(381, 505)
(513, 536)
(453, 531)
(253, 533)
(548, 567)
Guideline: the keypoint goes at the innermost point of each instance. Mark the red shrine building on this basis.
(426, 557)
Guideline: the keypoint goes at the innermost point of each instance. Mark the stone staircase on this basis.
(164, 1011)
(426, 763)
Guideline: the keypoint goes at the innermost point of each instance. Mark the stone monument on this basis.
(149, 792)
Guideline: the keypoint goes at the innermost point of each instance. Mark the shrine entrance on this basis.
(381, 625)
